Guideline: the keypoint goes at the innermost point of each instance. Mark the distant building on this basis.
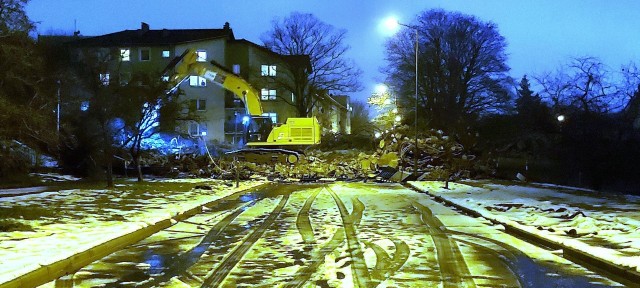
(150, 50)
(333, 112)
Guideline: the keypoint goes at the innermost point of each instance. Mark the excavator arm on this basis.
(187, 65)
(299, 132)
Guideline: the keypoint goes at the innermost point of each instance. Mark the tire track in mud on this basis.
(303, 223)
(385, 265)
(453, 268)
(523, 268)
(358, 265)
(318, 256)
(507, 261)
(184, 261)
(217, 276)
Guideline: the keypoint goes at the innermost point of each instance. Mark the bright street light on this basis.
(560, 118)
(381, 88)
(391, 24)
(398, 118)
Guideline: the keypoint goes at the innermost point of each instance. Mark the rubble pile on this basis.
(438, 158)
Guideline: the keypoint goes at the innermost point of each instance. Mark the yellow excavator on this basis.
(266, 141)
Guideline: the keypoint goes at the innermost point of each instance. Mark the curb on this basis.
(623, 275)
(50, 272)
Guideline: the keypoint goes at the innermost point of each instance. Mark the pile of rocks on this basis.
(438, 158)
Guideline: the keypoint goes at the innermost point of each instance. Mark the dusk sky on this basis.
(541, 34)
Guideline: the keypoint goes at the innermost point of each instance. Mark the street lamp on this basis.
(381, 89)
(58, 110)
(392, 24)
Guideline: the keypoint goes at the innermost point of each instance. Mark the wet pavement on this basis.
(331, 235)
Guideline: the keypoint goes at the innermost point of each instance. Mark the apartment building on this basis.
(221, 114)
(333, 112)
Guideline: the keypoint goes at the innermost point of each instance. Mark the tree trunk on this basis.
(136, 162)
(109, 171)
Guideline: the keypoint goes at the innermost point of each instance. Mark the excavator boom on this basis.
(217, 74)
(295, 132)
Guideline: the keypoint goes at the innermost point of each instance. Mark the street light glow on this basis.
(391, 23)
(560, 118)
(398, 118)
(381, 88)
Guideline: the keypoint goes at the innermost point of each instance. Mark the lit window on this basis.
(125, 54)
(268, 70)
(202, 56)
(197, 81)
(104, 79)
(273, 116)
(166, 53)
(145, 54)
(236, 68)
(268, 94)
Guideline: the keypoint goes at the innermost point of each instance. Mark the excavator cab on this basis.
(258, 129)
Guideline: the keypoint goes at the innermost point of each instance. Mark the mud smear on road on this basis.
(266, 237)
(154, 262)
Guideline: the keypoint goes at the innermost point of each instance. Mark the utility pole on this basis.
(58, 110)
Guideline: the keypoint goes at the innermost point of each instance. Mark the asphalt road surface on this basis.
(332, 235)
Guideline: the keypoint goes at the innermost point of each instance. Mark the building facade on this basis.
(220, 114)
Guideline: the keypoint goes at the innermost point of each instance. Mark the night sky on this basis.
(541, 34)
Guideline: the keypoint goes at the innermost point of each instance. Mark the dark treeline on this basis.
(578, 126)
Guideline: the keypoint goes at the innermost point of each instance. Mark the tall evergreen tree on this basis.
(525, 95)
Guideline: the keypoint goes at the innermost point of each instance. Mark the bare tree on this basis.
(461, 68)
(26, 90)
(583, 84)
(630, 90)
(140, 104)
(360, 122)
(304, 34)
(13, 18)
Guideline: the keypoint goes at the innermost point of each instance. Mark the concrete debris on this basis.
(395, 158)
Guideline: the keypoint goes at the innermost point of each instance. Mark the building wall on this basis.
(333, 113)
(220, 116)
(213, 115)
(258, 57)
(250, 59)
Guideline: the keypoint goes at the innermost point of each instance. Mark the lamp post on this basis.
(58, 109)
(392, 24)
